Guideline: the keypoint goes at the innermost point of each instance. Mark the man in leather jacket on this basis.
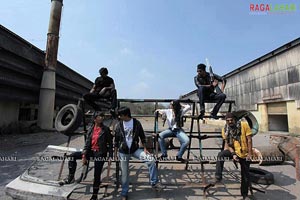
(97, 145)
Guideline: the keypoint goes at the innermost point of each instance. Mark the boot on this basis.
(94, 197)
(69, 179)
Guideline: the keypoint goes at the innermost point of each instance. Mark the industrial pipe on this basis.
(47, 90)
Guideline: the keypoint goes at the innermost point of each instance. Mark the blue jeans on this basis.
(141, 155)
(182, 137)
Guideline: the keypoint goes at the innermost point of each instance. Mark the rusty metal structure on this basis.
(47, 90)
(291, 148)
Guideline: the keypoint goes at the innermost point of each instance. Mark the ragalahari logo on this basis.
(272, 8)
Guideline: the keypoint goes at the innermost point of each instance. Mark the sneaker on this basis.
(158, 187)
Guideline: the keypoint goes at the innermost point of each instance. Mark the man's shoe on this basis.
(213, 116)
(158, 187)
(246, 198)
(94, 197)
(124, 197)
(180, 159)
(218, 180)
(68, 180)
(201, 116)
(202, 112)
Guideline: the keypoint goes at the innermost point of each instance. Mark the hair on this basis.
(101, 114)
(201, 66)
(177, 111)
(230, 115)
(124, 111)
(103, 70)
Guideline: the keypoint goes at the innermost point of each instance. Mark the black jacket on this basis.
(199, 81)
(104, 142)
(138, 133)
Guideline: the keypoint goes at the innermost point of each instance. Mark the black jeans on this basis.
(90, 98)
(245, 165)
(204, 93)
(98, 166)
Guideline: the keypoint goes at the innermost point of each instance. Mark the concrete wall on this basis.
(9, 112)
(293, 117)
(275, 79)
(21, 69)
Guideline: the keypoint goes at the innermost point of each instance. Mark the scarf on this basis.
(233, 133)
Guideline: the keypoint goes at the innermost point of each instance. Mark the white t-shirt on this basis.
(128, 128)
(171, 117)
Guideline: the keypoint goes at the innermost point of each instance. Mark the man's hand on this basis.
(235, 158)
(84, 161)
(249, 157)
(146, 151)
(215, 83)
(157, 111)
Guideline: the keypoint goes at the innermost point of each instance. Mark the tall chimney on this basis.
(47, 90)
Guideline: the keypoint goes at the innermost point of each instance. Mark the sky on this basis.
(152, 47)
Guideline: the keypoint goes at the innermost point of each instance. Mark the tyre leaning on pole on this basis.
(68, 119)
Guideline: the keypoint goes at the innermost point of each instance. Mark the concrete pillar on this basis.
(264, 123)
(293, 117)
(46, 101)
(47, 90)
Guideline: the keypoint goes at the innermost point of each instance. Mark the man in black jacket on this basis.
(97, 145)
(104, 87)
(127, 135)
(206, 89)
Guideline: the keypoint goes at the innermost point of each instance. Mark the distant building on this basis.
(21, 69)
(269, 87)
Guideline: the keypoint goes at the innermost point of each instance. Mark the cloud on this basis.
(144, 74)
(126, 51)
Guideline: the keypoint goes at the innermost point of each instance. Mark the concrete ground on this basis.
(180, 183)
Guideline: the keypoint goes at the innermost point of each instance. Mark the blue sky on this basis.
(152, 47)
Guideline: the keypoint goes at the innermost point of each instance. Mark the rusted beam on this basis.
(48, 84)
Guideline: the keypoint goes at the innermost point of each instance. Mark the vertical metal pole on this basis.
(47, 90)
(191, 136)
